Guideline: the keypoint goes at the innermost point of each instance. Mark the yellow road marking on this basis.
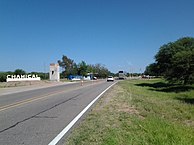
(36, 98)
(2, 108)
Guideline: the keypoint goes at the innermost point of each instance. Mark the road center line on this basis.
(2, 108)
(70, 125)
(36, 98)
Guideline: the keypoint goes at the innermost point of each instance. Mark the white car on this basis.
(110, 79)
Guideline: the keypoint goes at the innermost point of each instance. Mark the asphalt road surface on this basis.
(36, 117)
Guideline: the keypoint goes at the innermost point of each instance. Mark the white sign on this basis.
(29, 77)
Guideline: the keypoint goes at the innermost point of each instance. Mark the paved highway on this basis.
(38, 116)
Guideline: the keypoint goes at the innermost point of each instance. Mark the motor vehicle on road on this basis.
(110, 79)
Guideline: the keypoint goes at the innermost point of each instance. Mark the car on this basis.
(110, 79)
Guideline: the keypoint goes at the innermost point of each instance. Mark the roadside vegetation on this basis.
(69, 67)
(140, 112)
(3, 75)
(175, 62)
(81, 69)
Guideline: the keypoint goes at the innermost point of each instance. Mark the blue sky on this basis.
(121, 34)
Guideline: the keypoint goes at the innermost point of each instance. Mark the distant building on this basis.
(54, 74)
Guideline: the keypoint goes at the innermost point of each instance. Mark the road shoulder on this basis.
(27, 86)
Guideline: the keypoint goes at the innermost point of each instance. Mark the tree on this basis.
(3, 75)
(152, 70)
(71, 68)
(19, 72)
(68, 65)
(101, 70)
(82, 68)
(98, 70)
(183, 64)
(175, 61)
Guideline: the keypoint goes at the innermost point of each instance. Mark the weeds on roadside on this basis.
(140, 112)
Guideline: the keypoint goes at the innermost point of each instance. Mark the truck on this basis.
(122, 75)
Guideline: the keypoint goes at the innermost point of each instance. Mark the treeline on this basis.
(71, 68)
(175, 62)
(3, 75)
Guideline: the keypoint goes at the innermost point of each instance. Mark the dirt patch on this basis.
(189, 122)
(108, 97)
(132, 110)
(128, 109)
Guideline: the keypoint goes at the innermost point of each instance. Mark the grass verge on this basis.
(139, 112)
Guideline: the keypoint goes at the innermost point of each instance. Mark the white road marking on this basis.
(70, 125)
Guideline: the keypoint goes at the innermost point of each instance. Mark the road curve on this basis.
(38, 116)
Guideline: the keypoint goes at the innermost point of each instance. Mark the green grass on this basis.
(140, 112)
